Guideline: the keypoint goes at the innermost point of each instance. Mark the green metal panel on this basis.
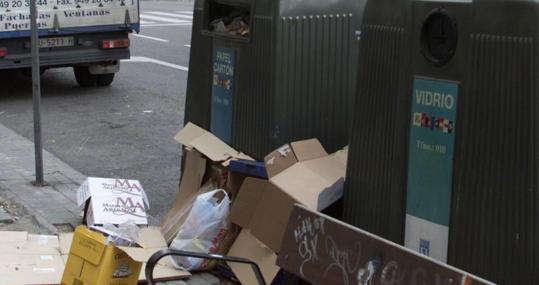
(494, 221)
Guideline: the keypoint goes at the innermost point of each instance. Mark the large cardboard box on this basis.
(300, 172)
(113, 201)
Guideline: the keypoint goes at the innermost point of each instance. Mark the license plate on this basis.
(56, 42)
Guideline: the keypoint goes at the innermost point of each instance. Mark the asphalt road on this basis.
(125, 130)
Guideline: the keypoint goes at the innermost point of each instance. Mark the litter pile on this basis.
(229, 204)
(226, 204)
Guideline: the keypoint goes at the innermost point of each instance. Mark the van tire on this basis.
(105, 79)
(84, 77)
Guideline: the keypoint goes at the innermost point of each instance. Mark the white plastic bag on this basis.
(204, 229)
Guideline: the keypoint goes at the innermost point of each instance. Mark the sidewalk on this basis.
(53, 206)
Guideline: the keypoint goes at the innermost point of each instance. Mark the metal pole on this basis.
(36, 92)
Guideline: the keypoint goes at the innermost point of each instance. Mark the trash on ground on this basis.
(261, 196)
(93, 259)
(204, 228)
(113, 201)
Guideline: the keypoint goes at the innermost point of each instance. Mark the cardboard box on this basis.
(151, 241)
(29, 259)
(301, 172)
(206, 158)
(92, 261)
(113, 201)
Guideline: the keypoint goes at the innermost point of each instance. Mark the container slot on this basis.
(229, 19)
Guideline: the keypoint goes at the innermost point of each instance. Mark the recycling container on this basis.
(266, 72)
(444, 150)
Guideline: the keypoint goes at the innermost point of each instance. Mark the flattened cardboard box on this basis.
(301, 172)
(113, 201)
(29, 259)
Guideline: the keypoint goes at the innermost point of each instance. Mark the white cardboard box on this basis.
(113, 201)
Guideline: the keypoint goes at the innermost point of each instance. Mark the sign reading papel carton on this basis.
(113, 201)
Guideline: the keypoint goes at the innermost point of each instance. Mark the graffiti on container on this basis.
(322, 250)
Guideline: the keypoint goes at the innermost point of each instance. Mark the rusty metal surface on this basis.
(323, 250)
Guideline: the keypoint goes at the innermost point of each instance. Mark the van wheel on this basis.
(105, 79)
(84, 77)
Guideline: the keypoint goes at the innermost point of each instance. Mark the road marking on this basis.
(150, 38)
(156, 61)
(185, 12)
(190, 17)
(162, 19)
(187, 46)
(167, 25)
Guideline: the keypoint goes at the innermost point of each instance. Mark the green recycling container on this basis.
(266, 72)
(444, 149)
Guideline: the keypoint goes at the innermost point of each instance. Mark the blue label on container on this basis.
(430, 166)
(432, 135)
(222, 93)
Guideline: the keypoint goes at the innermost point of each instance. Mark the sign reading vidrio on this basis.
(430, 166)
(113, 201)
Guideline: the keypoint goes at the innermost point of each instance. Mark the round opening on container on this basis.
(439, 37)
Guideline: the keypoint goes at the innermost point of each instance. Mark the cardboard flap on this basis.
(88, 244)
(65, 240)
(342, 155)
(193, 136)
(138, 253)
(308, 149)
(193, 173)
(328, 168)
(279, 160)
(151, 237)
(83, 193)
(151, 241)
(246, 202)
(247, 246)
(162, 273)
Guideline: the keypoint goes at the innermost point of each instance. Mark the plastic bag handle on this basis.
(213, 192)
(154, 259)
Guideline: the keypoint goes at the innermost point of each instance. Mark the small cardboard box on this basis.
(301, 172)
(92, 261)
(113, 201)
(151, 241)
